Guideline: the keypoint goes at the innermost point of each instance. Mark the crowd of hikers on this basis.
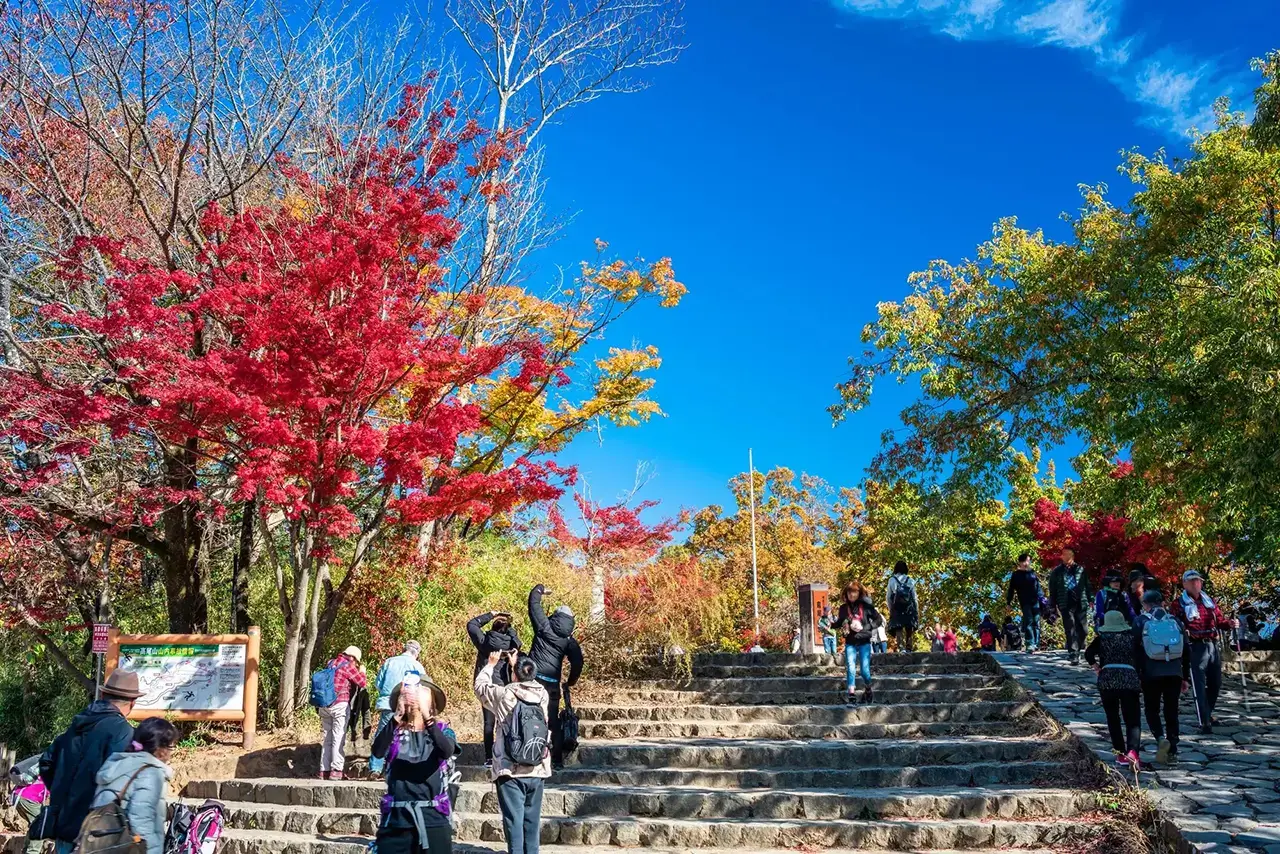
(101, 785)
(1146, 651)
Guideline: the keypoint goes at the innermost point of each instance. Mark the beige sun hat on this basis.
(1114, 621)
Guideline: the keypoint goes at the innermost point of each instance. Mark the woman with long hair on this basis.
(858, 618)
(417, 746)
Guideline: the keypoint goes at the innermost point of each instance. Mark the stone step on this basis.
(744, 695)
(812, 714)
(960, 774)
(751, 834)
(764, 729)
(809, 667)
(594, 802)
(262, 842)
(786, 659)
(833, 681)
(778, 753)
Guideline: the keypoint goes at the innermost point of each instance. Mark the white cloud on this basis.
(1176, 91)
(1069, 23)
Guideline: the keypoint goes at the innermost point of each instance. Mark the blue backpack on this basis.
(324, 693)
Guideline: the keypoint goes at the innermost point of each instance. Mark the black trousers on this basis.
(1117, 704)
(906, 638)
(1206, 676)
(1162, 691)
(489, 723)
(553, 720)
(1073, 626)
(404, 840)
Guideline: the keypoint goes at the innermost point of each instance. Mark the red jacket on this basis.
(347, 672)
(1207, 621)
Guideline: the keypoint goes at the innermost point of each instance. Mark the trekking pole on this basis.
(1240, 665)
(1195, 698)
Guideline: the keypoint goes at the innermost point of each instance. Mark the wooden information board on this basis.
(192, 677)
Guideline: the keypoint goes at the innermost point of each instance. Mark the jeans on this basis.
(857, 658)
(1206, 677)
(829, 645)
(1162, 689)
(29, 810)
(1031, 627)
(553, 720)
(333, 733)
(1116, 704)
(1073, 626)
(384, 718)
(520, 800)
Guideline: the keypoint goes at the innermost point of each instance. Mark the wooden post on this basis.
(251, 686)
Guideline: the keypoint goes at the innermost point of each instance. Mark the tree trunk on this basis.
(186, 579)
(596, 617)
(312, 633)
(240, 571)
(287, 701)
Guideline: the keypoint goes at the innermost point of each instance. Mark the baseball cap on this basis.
(1192, 575)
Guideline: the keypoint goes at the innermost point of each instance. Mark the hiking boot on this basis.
(1134, 762)
(323, 775)
(1162, 752)
(1122, 760)
(866, 696)
(1207, 729)
(488, 765)
(850, 700)
(1173, 755)
(336, 777)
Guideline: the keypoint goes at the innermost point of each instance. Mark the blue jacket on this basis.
(393, 671)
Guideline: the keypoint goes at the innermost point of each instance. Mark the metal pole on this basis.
(755, 578)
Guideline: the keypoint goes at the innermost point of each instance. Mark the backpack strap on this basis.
(121, 794)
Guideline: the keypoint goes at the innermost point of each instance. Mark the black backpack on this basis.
(1113, 600)
(527, 739)
(568, 725)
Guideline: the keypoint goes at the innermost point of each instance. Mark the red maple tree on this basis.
(305, 362)
(1100, 543)
(608, 539)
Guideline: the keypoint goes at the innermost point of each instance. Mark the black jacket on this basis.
(416, 776)
(1024, 585)
(553, 641)
(70, 764)
(493, 640)
(866, 611)
(1063, 599)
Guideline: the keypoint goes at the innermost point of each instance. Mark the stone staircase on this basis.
(1259, 665)
(752, 753)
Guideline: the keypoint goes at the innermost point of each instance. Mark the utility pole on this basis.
(755, 578)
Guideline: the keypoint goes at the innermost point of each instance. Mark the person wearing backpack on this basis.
(1069, 593)
(1112, 598)
(417, 747)
(904, 607)
(521, 754)
(1201, 620)
(74, 758)
(1012, 635)
(858, 618)
(553, 643)
(1165, 670)
(28, 797)
(500, 638)
(133, 784)
(1024, 585)
(1115, 653)
(331, 695)
(988, 634)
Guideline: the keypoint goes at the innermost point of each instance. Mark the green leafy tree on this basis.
(1153, 330)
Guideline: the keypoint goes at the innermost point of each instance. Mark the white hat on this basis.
(353, 652)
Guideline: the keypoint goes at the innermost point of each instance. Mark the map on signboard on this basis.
(187, 677)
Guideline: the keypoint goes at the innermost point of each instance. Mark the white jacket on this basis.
(502, 701)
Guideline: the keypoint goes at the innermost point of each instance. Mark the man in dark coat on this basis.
(904, 607)
(1069, 592)
(552, 643)
(72, 762)
(501, 638)
(1025, 587)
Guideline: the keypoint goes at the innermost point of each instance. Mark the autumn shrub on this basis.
(674, 602)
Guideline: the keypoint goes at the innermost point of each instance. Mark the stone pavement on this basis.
(1224, 793)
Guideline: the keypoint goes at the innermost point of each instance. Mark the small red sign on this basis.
(101, 634)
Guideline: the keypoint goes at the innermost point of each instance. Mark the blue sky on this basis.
(804, 156)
